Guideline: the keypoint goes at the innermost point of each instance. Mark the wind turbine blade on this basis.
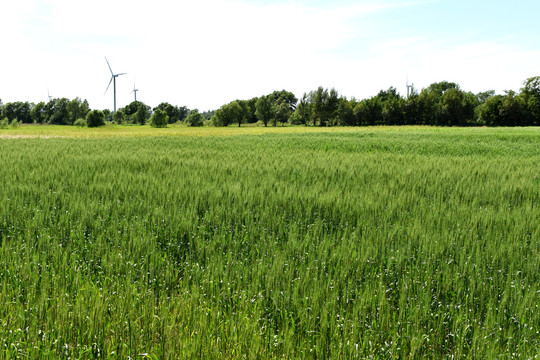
(112, 77)
(121, 74)
(109, 65)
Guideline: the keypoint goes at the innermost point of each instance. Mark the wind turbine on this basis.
(409, 88)
(49, 95)
(113, 80)
(134, 91)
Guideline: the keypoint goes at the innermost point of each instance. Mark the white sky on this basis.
(205, 53)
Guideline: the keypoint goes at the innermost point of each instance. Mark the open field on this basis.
(295, 243)
(48, 131)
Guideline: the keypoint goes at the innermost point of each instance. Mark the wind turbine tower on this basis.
(409, 88)
(113, 80)
(134, 91)
(49, 95)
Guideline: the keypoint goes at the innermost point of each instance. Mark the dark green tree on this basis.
(345, 113)
(58, 111)
(456, 108)
(175, 113)
(489, 112)
(95, 118)
(137, 112)
(278, 97)
(301, 115)
(119, 116)
(369, 112)
(531, 95)
(194, 118)
(282, 112)
(263, 109)
(319, 114)
(252, 107)
(245, 113)
(393, 112)
(18, 110)
(159, 119)
(513, 110)
(227, 114)
(483, 96)
(39, 113)
(76, 109)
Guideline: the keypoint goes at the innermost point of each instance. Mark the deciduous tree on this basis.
(95, 118)
(159, 119)
(263, 109)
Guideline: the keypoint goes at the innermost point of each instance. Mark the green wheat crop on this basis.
(371, 243)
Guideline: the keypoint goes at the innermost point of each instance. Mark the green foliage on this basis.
(159, 119)
(58, 112)
(245, 112)
(194, 119)
(513, 110)
(174, 113)
(107, 114)
(18, 110)
(369, 112)
(80, 123)
(15, 123)
(39, 113)
(76, 109)
(119, 116)
(137, 113)
(400, 243)
(531, 96)
(227, 114)
(208, 114)
(263, 109)
(301, 115)
(324, 106)
(4, 123)
(440, 104)
(95, 118)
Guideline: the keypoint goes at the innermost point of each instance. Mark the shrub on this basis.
(4, 123)
(119, 117)
(80, 123)
(194, 119)
(95, 118)
(15, 123)
(159, 119)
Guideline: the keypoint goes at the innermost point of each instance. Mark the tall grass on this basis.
(382, 243)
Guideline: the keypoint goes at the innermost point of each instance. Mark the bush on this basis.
(80, 123)
(15, 123)
(159, 119)
(194, 119)
(95, 118)
(119, 117)
(4, 123)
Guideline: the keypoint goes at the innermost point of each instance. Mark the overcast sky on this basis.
(205, 53)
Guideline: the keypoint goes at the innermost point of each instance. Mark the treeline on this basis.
(77, 112)
(440, 104)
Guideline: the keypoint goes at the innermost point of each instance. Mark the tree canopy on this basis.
(443, 104)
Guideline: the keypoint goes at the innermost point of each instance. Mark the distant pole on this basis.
(409, 88)
(114, 86)
(135, 91)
